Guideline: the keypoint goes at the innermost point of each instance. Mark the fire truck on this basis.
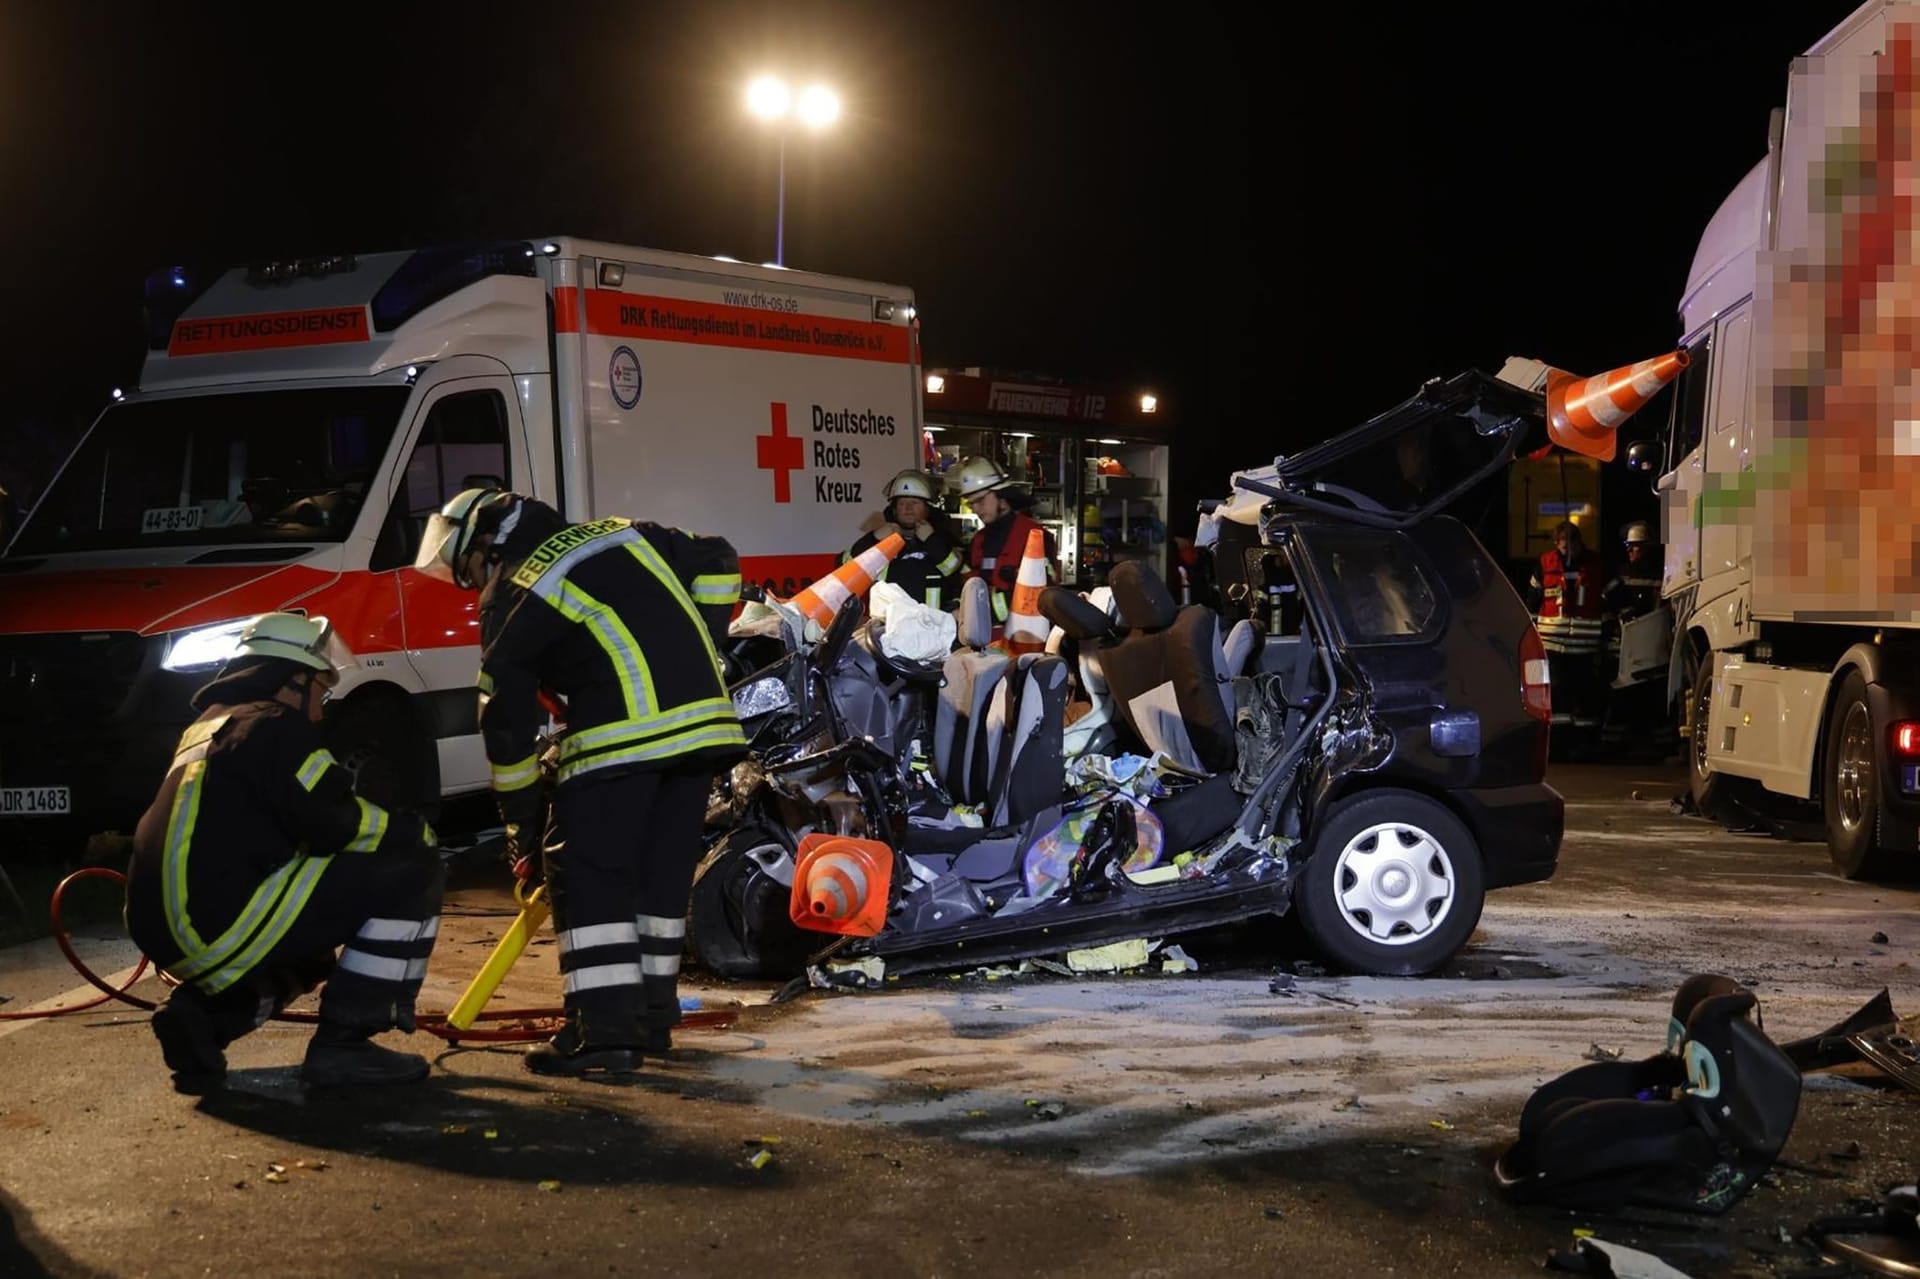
(296, 422)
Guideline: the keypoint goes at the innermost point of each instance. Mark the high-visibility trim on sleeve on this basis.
(716, 588)
(315, 768)
(373, 827)
(515, 776)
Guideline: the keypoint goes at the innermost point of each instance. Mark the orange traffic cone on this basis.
(822, 600)
(1583, 414)
(840, 885)
(1026, 629)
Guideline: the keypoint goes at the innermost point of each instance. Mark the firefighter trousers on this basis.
(619, 871)
(382, 912)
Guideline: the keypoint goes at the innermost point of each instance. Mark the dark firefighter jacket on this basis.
(622, 620)
(929, 570)
(252, 813)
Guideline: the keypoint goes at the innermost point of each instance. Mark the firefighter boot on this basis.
(189, 1041)
(571, 1053)
(345, 1057)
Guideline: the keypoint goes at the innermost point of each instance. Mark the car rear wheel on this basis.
(1393, 885)
(738, 923)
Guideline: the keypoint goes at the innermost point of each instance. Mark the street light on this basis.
(769, 98)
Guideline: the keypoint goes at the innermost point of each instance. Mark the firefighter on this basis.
(1564, 594)
(1634, 713)
(619, 621)
(996, 549)
(928, 567)
(256, 860)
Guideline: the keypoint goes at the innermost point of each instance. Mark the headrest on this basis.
(1693, 991)
(1144, 601)
(1748, 1089)
(975, 618)
(1074, 613)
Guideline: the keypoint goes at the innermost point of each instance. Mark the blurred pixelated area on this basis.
(1836, 448)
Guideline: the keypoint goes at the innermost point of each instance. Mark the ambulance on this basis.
(296, 422)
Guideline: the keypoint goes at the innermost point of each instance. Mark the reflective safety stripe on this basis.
(266, 898)
(291, 903)
(601, 975)
(716, 588)
(180, 823)
(678, 744)
(611, 633)
(999, 607)
(625, 730)
(670, 582)
(659, 965)
(590, 935)
(949, 565)
(485, 684)
(398, 929)
(933, 597)
(661, 926)
(378, 967)
(515, 776)
(373, 826)
(316, 767)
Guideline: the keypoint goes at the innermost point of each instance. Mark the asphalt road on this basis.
(1134, 1125)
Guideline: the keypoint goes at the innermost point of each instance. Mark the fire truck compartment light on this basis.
(119, 394)
(935, 384)
(612, 275)
(1149, 403)
(1106, 441)
(208, 646)
(549, 248)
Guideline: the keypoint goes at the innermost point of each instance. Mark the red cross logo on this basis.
(780, 453)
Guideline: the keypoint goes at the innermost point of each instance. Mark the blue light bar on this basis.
(433, 274)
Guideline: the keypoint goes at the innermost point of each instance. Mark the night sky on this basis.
(1281, 226)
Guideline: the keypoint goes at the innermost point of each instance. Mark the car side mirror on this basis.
(1643, 456)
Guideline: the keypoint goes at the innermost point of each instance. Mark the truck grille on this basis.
(66, 684)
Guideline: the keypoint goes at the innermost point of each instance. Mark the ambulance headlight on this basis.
(206, 647)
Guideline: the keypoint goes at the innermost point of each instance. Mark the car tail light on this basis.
(1536, 688)
(1906, 739)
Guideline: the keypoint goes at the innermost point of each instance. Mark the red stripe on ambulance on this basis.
(634, 315)
(220, 333)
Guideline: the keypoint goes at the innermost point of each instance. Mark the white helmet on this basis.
(910, 483)
(308, 641)
(979, 475)
(451, 531)
(1637, 533)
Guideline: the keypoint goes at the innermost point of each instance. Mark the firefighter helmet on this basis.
(910, 483)
(980, 475)
(452, 530)
(289, 637)
(1636, 534)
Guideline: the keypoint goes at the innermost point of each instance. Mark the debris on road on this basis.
(551, 1187)
(1596, 1053)
(1117, 957)
(1879, 939)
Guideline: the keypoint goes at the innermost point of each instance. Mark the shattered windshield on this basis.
(259, 466)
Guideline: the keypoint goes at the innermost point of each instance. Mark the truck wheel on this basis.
(1712, 792)
(1393, 885)
(377, 737)
(1851, 785)
(738, 922)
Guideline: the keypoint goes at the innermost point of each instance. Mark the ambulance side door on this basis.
(466, 433)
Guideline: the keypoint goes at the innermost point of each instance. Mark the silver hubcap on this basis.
(1855, 768)
(1395, 883)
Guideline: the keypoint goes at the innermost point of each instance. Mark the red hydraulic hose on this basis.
(535, 1023)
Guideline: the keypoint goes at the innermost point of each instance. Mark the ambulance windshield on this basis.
(211, 470)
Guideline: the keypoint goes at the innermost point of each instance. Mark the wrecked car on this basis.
(1365, 751)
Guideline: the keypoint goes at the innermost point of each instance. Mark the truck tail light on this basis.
(1536, 688)
(1906, 739)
